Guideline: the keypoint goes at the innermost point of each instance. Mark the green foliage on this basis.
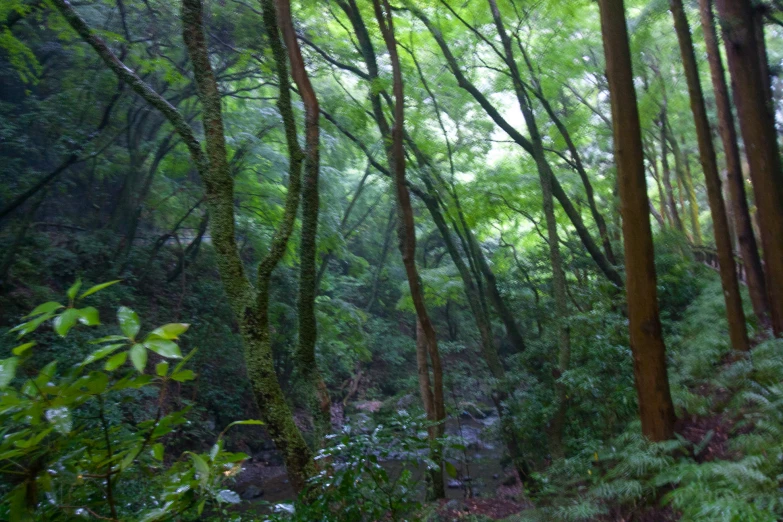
(73, 446)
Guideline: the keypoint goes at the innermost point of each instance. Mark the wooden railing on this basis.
(709, 257)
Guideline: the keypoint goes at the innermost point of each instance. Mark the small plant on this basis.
(88, 441)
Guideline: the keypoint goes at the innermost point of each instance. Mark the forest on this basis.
(391, 260)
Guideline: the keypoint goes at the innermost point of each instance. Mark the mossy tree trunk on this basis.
(250, 306)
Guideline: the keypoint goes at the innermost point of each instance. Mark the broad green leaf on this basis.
(451, 470)
(115, 361)
(162, 368)
(32, 325)
(74, 289)
(109, 339)
(19, 350)
(65, 321)
(226, 495)
(60, 418)
(101, 352)
(89, 316)
(138, 356)
(164, 348)
(169, 331)
(202, 468)
(129, 321)
(51, 306)
(7, 370)
(183, 375)
(98, 288)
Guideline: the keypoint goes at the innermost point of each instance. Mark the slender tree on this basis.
(728, 270)
(427, 341)
(649, 352)
(249, 305)
(320, 403)
(735, 181)
(760, 138)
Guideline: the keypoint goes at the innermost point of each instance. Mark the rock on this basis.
(251, 492)
(495, 476)
(454, 484)
(452, 505)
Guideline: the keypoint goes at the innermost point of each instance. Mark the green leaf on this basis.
(162, 368)
(157, 451)
(116, 361)
(19, 350)
(65, 321)
(74, 289)
(183, 375)
(89, 316)
(164, 348)
(101, 352)
(98, 288)
(32, 325)
(7, 370)
(129, 321)
(138, 356)
(202, 468)
(109, 339)
(51, 306)
(170, 331)
(226, 495)
(451, 470)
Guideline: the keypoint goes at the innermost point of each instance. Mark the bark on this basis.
(760, 138)
(652, 383)
(728, 269)
(321, 404)
(742, 223)
(426, 338)
(251, 314)
(573, 214)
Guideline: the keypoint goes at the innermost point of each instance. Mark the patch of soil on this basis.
(494, 508)
(711, 432)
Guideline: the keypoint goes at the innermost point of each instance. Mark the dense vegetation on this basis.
(371, 260)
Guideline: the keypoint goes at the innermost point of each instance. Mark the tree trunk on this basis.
(320, 402)
(728, 270)
(685, 181)
(760, 137)
(426, 337)
(736, 183)
(652, 383)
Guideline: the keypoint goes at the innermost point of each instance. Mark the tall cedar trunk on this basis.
(649, 352)
(545, 177)
(320, 403)
(758, 133)
(667, 176)
(736, 184)
(653, 157)
(426, 337)
(728, 270)
(557, 190)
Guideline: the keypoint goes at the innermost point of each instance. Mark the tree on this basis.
(652, 383)
(760, 138)
(736, 183)
(728, 269)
